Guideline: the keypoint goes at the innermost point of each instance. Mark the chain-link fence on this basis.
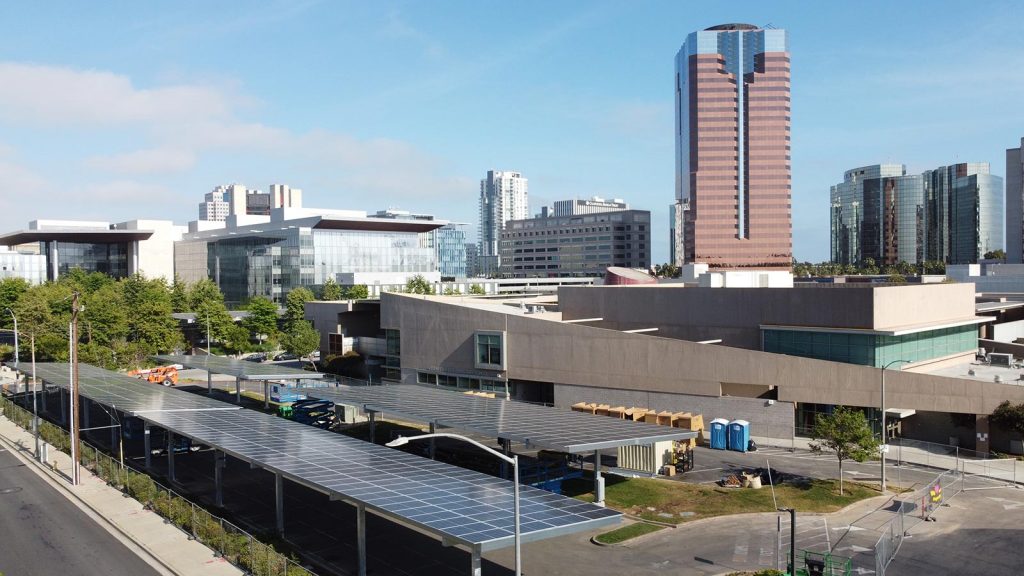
(980, 470)
(234, 544)
(910, 509)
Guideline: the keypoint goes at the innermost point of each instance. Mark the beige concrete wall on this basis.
(735, 314)
(916, 304)
(437, 335)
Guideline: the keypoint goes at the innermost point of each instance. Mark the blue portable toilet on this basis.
(719, 432)
(739, 435)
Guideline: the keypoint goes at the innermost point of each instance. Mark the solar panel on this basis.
(460, 505)
(239, 368)
(531, 424)
(127, 394)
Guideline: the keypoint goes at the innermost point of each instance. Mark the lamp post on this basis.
(513, 460)
(791, 565)
(16, 350)
(17, 364)
(885, 439)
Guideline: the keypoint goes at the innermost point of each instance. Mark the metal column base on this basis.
(361, 536)
(475, 565)
(279, 505)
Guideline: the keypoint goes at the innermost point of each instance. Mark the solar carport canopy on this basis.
(238, 368)
(461, 506)
(530, 424)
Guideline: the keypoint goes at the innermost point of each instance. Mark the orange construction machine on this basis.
(166, 375)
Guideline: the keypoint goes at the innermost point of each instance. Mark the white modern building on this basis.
(236, 199)
(119, 250)
(503, 197)
(18, 262)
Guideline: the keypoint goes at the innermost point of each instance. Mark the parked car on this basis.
(259, 357)
(285, 356)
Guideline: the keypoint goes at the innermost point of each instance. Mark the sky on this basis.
(127, 110)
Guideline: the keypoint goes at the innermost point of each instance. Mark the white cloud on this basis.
(55, 96)
(151, 161)
(181, 124)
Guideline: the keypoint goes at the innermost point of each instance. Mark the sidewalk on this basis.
(169, 550)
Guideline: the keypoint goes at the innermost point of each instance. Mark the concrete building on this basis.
(950, 214)
(119, 250)
(583, 245)
(593, 205)
(472, 266)
(503, 196)
(558, 356)
(270, 255)
(733, 147)
(1015, 204)
(236, 199)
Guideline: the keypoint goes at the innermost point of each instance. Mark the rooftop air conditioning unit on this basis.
(1000, 359)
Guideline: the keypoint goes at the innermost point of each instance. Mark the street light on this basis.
(791, 565)
(514, 461)
(885, 439)
(17, 363)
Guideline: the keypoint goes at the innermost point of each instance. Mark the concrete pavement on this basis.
(161, 547)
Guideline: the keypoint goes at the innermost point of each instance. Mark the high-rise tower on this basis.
(732, 148)
(503, 197)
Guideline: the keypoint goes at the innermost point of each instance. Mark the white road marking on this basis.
(856, 549)
(1007, 503)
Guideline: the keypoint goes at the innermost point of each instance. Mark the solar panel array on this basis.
(461, 505)
(531, 424)
(127, 394)
(239, 368)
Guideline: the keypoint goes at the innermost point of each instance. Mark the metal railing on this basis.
(982, 469)
(226, 539)
(912, 508)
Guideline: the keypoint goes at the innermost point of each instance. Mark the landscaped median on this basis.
(673, 502)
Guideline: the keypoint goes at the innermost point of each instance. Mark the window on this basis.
(490, 350)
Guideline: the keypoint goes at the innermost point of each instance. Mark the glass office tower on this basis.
(732, 147)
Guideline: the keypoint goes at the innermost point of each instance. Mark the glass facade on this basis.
(393, 355)
(110, 259)
(450, 247)
(872, 349)
(952, 214)
(272, 263)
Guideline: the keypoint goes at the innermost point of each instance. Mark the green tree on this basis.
(330, 290)
(302, 339)
(237, 338)
(11, 290)
(34, 317)
(295, 307)
(868, 266)
(262, 318)
(179, 296)
(202, 291)
(1009, 416)
(476, 289)
(105, 318)
(357, 292)
(897, 279)
(206, 301)
(846, 433)
(418, 285)
(995, 255)
(150, 327)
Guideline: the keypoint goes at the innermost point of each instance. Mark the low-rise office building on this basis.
(584, 245)
(649, 346)
(271, 255)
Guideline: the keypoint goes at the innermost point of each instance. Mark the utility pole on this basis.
(791, 565)
(76, 455)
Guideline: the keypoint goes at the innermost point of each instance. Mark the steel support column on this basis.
(474, 562)
(361, 537)
(279, 501)
(170, 455)
(506, 449)
(146, 445)
(373, 426)
(114, 432)
(266, 395)
(598, 480)
(238, 389)
(219, 461)
(209, 382)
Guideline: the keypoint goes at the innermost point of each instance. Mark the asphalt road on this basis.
(43, 533)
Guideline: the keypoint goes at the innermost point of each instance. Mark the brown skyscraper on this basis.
(732, 148)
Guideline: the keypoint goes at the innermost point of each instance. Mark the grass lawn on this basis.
(627, 532)
(670, 499)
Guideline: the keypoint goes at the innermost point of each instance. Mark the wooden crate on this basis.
(583, 407)
(679, 416)
(602, 409)
(689, 421)
(651, 417)
(664, 418)
(617, 412)
(636, 414)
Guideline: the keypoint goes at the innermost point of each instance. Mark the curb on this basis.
(126, 538)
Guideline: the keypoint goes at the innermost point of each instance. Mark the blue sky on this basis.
(125, 110)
